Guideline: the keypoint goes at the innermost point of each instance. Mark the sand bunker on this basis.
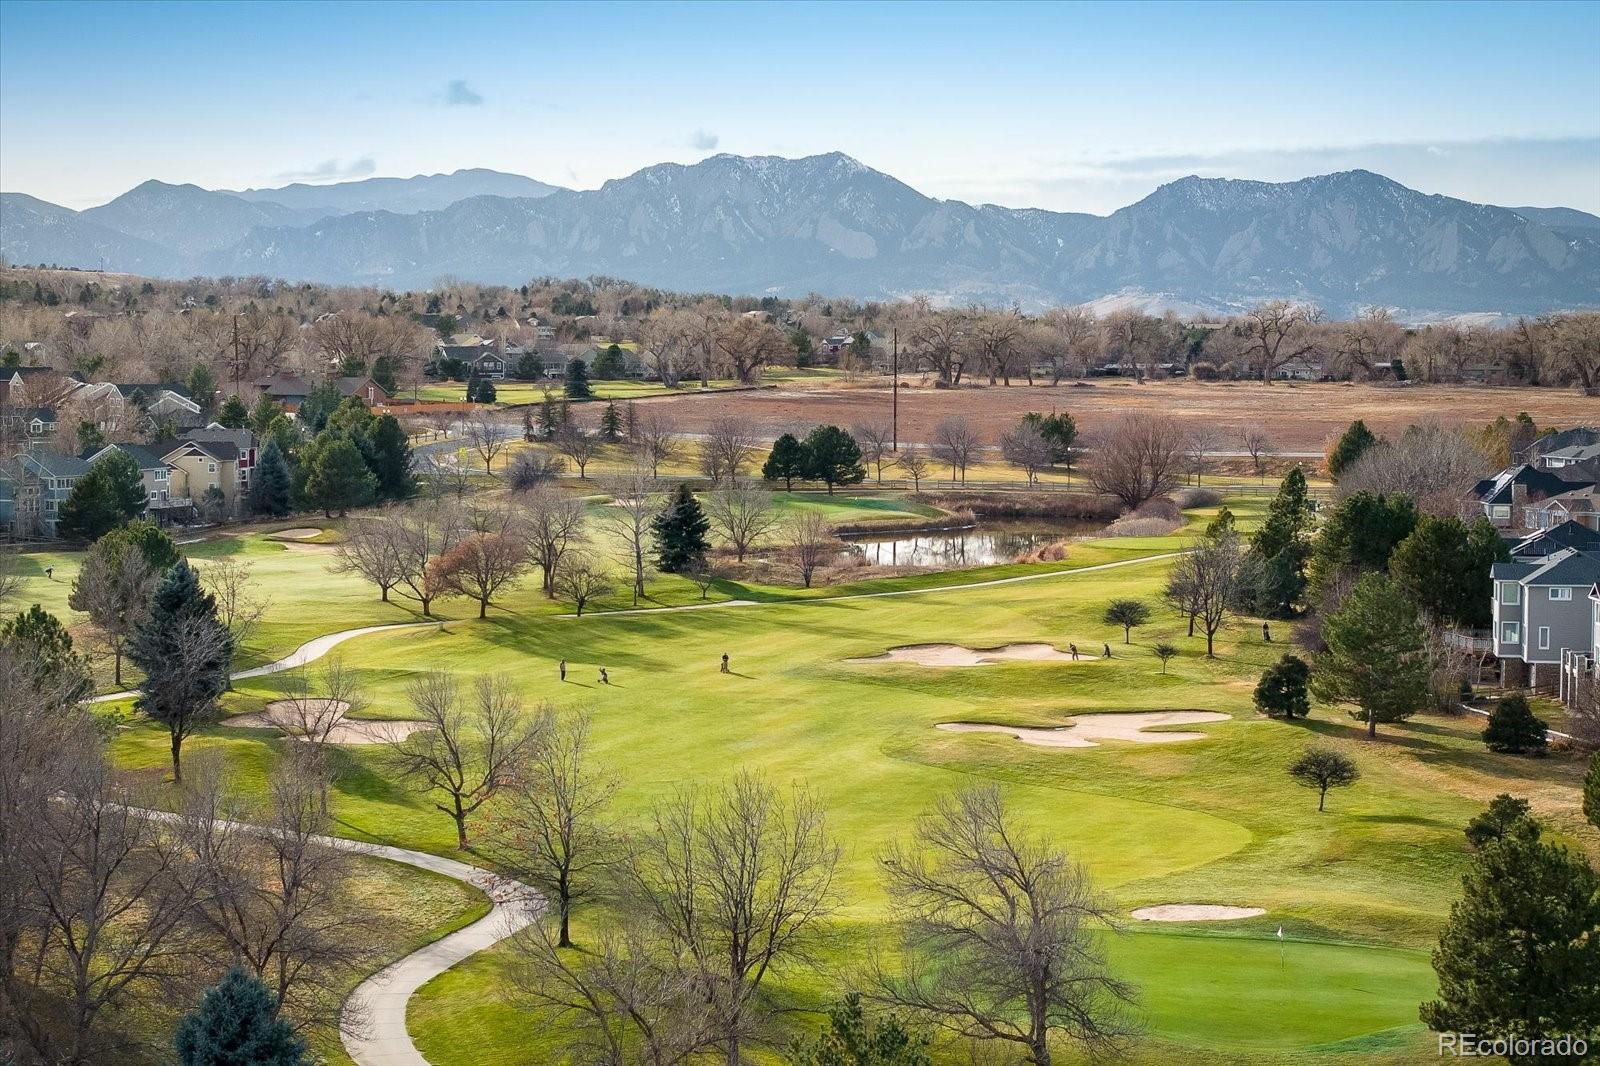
(956, 655)
(298, 533)
(1084, 729)
(1195, 912)
(281, 715)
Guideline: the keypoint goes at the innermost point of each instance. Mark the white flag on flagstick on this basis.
(1280, 932)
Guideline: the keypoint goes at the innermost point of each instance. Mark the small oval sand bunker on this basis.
(297, 533)
(1196, 912)
(1083, 730)
(956, 655)
(288, 719)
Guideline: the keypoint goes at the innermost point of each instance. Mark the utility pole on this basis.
(236, 355)
(894, 394)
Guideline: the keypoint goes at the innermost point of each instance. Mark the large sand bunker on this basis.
(956, 655)
(1084, 729)
(1195, 912)
(283, 716)
(297, 533)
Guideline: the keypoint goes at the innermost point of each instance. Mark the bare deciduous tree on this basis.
(654, 439)
(486, 434)
(811, 543)
(492, 553)
(577, 444)
(1430, 463)
(939, 344)
(114, 589)
(1025, 448)
(580, 580)
(1200, 444)
(1003, 933)
(369, 551)
(747, 345)
(1258, 445)
(634, 503)
(736, 881)
(914, 461)
(955, 443)
(1138, 458)
(420, 534)
(742, 512)
(240, 607)
(875, 440)
(1278, 331)
(554, 831)
(1206, 583)
(467, 753)
(554, 523)
(727, 445)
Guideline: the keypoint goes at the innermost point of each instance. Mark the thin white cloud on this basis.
(332, 170)
(703, 140)
(459, 94)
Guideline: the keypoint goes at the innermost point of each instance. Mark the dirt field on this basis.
(1298, 417)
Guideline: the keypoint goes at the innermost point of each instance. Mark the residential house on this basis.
(365, 389)
(285, 388)
(1569, 456)
(243, 443)
(201, 465)
(1504, 498)
(1545, 542)
(37, 386)
(1541, 614)
(161, 401)
(44, 480)
(153, 471)
(1551, 443)
(40, 422)
(1580, 505)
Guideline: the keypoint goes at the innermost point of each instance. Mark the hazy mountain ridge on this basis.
(830, 224)
(423, 192)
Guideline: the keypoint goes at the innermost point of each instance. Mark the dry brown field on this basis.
(1298, 417)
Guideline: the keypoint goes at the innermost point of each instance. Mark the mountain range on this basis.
(829, 224)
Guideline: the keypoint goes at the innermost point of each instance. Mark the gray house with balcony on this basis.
(1542, 616)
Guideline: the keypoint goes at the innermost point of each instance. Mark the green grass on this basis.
(1360, 891)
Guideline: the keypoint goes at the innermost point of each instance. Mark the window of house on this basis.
(1510, 632)
(1501, 510)
(1544, 638)
(1560, 593)
(211, 468)
(1510, 592)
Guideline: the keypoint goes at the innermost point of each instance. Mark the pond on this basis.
(986, 544)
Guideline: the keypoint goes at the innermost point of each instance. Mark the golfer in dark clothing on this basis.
(1108, 650)
(605, 679)
(1266, 632)
(1074, 649)
(563, 669)
(724, 662)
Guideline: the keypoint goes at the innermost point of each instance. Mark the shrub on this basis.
(1196, 497)
(1160, 507)
(1204, 371)
(1285, 689)
(1322, 769)
(1142, 527)
(1514, 729)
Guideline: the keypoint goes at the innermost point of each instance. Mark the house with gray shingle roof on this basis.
(1542, 614)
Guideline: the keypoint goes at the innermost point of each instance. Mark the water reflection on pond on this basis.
(950, 549)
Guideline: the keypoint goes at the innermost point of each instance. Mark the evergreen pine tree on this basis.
(185, 652)
(1376, 657)
(383, 374)
(44, 642)
(390, 458)
(1281, 550)
(833, 457)
(1284, 689)
(236, 1024)
(1350, 447)
(336, 476)
(1444, 566)
(110, 495)
(1591, 791)
(611, 422)
(264, 413)
(1514, 729)
(270, 484)
(90, 439)
(577, 383)
(550, 415)
(319, 406)
(681, 530)
(787, 461)
(1519, 956)
(202, 386)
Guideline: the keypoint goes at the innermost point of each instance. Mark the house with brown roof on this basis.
(365, 389)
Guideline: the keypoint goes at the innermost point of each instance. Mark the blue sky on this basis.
(1069, 107)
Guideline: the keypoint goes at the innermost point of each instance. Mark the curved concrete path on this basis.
(310, 651)
(373, 1022)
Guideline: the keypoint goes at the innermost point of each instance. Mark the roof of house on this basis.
(54, 464)
(1512, 571)
(221, 451)
(146, 458)
(1566, 567)
(241, 439)
(351, 386)
(1538, 483)
(284, 385)
(26, 372)
(46, 414)
(1568, 534)
(149, 390)
(1574, 453)
(1585, 500)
